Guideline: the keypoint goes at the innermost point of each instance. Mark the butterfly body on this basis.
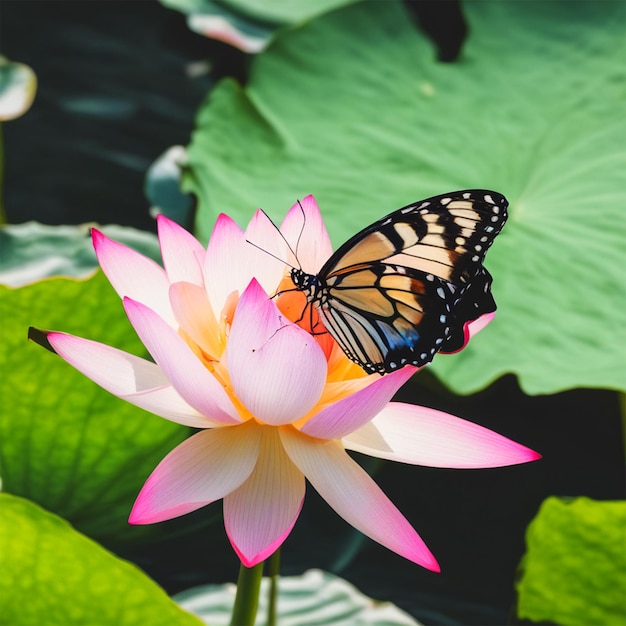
(405, 287)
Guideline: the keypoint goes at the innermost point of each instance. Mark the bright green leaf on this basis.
(64, 442)
(574, 570)
(354, 108)
(52, 575)
(315, 597)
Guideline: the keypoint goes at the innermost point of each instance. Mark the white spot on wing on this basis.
(420, 209)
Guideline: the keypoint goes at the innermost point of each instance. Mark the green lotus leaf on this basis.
(353, 108)
(315, 597)
(32, 251)
(53, 575)
(574, 570)
(65, 443)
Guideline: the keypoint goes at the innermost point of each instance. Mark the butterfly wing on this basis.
(384, 317)
(475, 301)
(406, 287)
(447, 236)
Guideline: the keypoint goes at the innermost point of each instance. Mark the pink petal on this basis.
(268, 241)
(472, 328)
(260, 514)
(202, 469)
(422, 436)
(231, 261)
(226, 241)
(129, 377)
(350, 491)
(277, 369)
(194, 314)
(183, 255)
(134, 275)
(476, 326)
(304, 229)
(352, 412)
(193, 381)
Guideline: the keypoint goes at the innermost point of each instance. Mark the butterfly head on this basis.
(309, 283)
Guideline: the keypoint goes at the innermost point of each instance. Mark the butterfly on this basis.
(405, 287)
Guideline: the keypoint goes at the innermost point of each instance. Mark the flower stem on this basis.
(273, 567)
(247, 598)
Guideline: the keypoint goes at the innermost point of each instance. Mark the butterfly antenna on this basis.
(269, 253)
(284, 239)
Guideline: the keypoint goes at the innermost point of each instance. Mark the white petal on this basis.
(422, 436)
(202, 469)
(221, 274)
(261, 257)
(127, 376)
(189, 376)
(135, 276)
(304, 229)
(195, 316)
(350, 491)
(232, 260)
(277, 369)
(350, 413)
(261, 513)
(183, 255)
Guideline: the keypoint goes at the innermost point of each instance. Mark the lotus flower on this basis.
(275, 404)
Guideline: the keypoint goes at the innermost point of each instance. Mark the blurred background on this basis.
(121, 82)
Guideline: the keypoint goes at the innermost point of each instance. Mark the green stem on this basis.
(273, 568)
(247, 598)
